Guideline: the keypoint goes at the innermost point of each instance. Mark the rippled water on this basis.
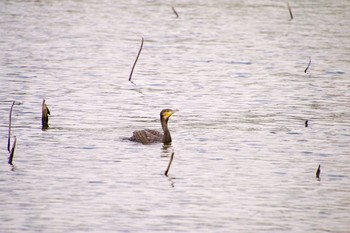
(244, 160)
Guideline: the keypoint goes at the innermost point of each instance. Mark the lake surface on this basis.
(243, 159)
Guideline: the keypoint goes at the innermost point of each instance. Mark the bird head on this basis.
(166, 113)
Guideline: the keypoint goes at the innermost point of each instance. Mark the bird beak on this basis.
(171, 112)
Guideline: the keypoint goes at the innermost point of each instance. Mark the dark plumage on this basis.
(150, 136)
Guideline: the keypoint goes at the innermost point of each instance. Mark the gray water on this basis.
(243, 159)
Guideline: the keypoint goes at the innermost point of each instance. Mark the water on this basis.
(244, 160)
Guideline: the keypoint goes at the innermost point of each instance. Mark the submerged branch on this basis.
(45, 112)
(318, 172)
(9, 131)
(290, 11)
(12, 151)
(308, 65)
(133, 67)
(175, 12)
(171, 160)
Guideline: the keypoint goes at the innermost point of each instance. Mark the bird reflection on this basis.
(166, 150)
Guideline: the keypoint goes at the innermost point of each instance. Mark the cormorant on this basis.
(150, 136)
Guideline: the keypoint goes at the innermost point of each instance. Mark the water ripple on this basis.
(244, 160)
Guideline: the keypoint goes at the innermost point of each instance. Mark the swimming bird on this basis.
(150, 136)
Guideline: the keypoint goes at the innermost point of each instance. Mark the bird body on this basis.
(148, 136)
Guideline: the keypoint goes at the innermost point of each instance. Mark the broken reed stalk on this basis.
(45, 112)
(290, 11)
(171, 160)
(318, 172)
(133, 67)
(9, 132)
(308, 65)
(12, 151)
(175, 12)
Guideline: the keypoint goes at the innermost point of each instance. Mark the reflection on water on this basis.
(244, 160)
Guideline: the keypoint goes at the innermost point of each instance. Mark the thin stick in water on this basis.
(132, 70)
(290, 11)
(9, 132)
(175, 12)
(171, 160)
(318, 172)
(306, 123)
(12, 151)
(308, 65)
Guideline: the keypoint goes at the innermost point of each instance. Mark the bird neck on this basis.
(166, 136)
